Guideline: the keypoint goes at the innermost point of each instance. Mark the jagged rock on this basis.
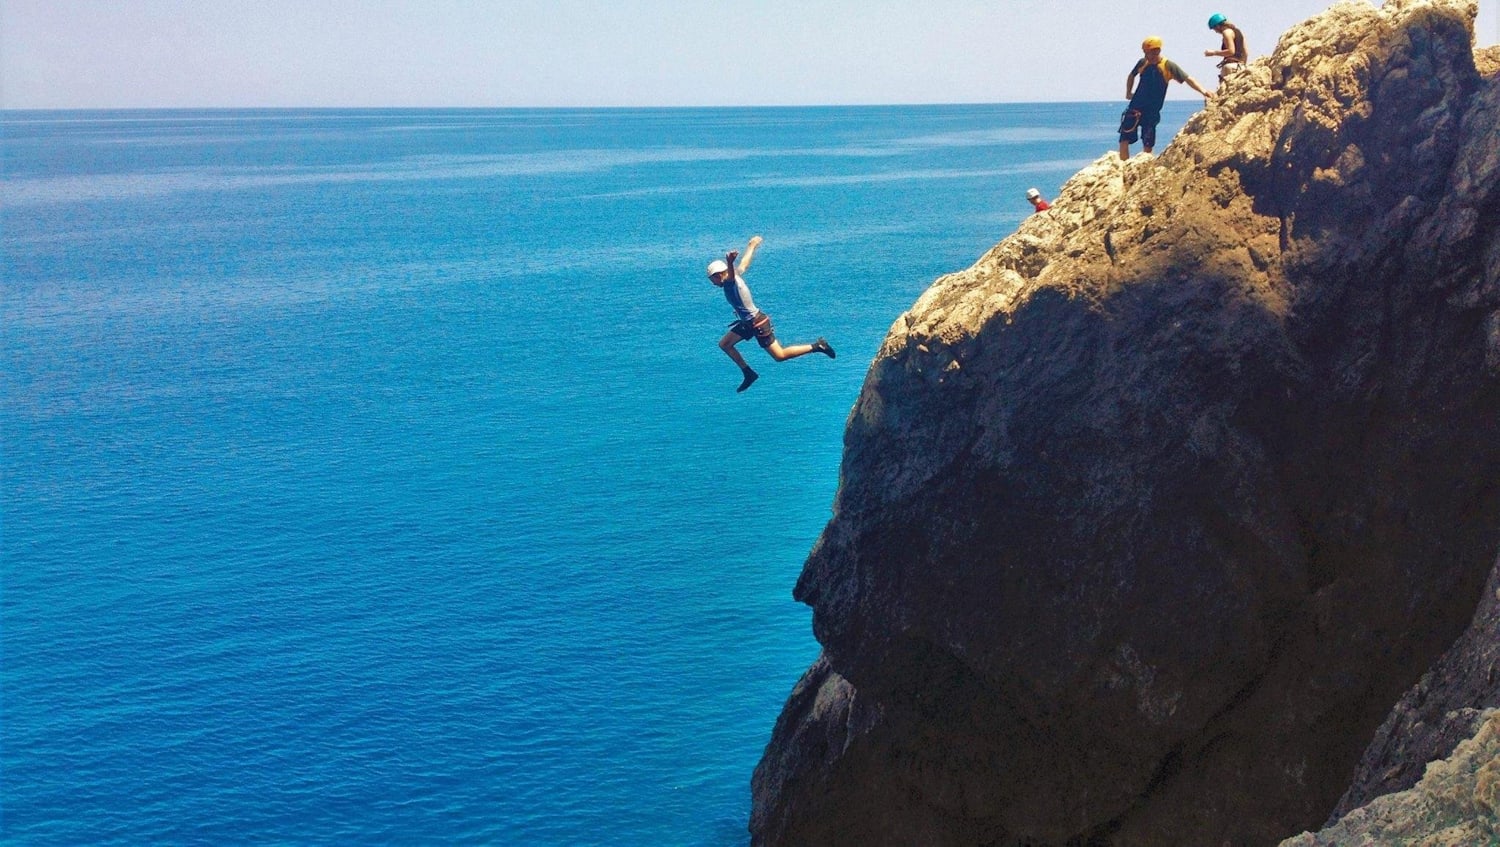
(1457, 803)
(1445, 707)
(1146, 519)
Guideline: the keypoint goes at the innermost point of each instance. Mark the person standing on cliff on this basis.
(1036, 200)
(1144, 111)
(1232, 52)
(749, 321)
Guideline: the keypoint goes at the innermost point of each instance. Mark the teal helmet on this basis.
(1216, 20)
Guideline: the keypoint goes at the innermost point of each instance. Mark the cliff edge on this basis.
(1147, 519)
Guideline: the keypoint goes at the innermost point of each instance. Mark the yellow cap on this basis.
(1152, 42)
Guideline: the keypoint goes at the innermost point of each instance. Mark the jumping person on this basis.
(751, 322)
(1232, 52)
(1144, 111)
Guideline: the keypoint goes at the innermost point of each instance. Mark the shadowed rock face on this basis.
(1449, 714)
(1148, 518)
(1456, 804)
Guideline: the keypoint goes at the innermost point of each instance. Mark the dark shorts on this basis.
(1136, 124)
(758, 328)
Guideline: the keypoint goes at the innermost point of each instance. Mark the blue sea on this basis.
(374, 476)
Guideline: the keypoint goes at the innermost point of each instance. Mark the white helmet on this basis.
(1032, 193)
(717, 266)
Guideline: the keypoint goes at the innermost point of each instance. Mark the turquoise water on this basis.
(374, 477)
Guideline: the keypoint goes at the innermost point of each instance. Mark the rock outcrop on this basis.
(1444, 708)
(1457, 803)
(1450, 714)
(1147, 519)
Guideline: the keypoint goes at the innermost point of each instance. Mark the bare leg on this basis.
(727, 345)
(781, 354)
(1124, 150)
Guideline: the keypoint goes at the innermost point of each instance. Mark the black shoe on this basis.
(823, 347)
(750, 377)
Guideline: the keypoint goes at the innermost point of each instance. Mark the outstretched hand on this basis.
(755, 241)
(731, 256)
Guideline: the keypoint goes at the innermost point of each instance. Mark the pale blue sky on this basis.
(184, 53)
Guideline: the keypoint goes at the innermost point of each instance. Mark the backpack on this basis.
(1161, 62)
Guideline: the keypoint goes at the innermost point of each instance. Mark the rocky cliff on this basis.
(1147, 519)
(1457, 803)
(1432, 775)
(1445, 707)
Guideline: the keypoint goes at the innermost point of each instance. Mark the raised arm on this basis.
(755, 241)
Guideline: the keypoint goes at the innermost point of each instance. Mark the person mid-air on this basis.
(749, 321)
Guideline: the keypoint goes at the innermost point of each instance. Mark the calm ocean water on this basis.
(374, 477)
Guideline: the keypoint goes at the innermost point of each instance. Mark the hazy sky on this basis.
(171, 53)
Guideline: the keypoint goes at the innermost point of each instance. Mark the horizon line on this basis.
(685, 107)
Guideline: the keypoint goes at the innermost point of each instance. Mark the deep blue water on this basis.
(374, 477)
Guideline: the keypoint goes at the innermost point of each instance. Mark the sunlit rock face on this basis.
(1148, 518)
